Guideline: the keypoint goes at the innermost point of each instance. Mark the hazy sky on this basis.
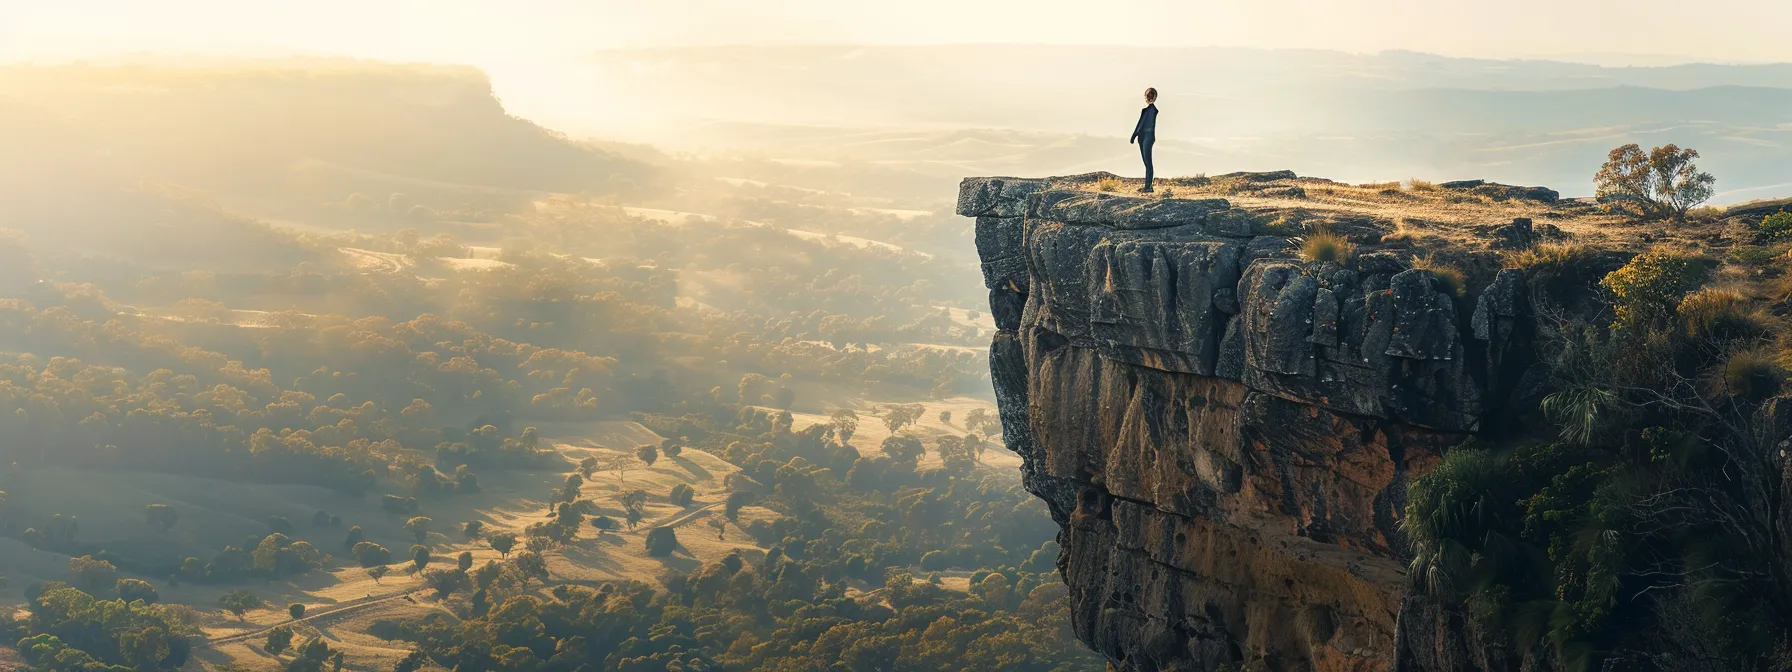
(519, 30)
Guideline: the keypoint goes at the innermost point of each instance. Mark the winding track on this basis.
(337, 610)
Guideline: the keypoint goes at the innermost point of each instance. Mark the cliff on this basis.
(1226, 433)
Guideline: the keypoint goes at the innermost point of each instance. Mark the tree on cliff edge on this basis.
(1665, 182)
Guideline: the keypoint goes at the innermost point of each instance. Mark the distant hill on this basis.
(234, 126)
(124, 159)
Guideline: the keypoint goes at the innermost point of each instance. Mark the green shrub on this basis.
(1756, 255)
(1324, 245)
(1463, 499)
(1650, 287)
(1776, 226)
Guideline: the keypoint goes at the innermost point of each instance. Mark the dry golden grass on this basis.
(1752, 374)
(1437, 213)
(1109, 184)
(1323, 245)
(1548, 257)
(1452, 277)
(1404, 231)
(1722, 313)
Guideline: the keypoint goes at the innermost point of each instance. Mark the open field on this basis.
(344, 600)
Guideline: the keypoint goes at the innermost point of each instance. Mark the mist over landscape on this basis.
(678, 357)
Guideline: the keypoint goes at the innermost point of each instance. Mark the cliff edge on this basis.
(1226, 429)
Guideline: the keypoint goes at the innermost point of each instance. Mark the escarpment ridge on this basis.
(1225, 425)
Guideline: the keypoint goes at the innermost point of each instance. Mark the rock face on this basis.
(1224, 432)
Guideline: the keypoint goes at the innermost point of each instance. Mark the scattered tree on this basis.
(131, 590)
(532, 565)
(1664, 183)
(419, 558)
(369, 554)
(898, 416)
(472, 529)
(239, 602)
(570, 491)
(681, 495)
(418, 526)
(661, 541)
(648, 454)
(904, 449)
(295, 610)
(278, 640)
(91, 575)
(731, 507)
(845, 423)
(378, 572)
(602, 524)
(445, 582)
(981, 421)
(502, 542)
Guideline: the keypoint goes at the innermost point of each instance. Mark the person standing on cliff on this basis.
(1145, 134)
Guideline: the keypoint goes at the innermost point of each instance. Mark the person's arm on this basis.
(1140, 126)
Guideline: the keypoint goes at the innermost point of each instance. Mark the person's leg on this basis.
(1145, 143)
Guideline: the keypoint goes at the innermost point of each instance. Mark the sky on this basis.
(515, 31)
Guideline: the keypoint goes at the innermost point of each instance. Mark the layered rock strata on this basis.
(1224, 432)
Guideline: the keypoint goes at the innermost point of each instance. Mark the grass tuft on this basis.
(1323, 245)
(1404, 232)
(1109, 184)
(1452, 277)
(1721, 314)
(1752, 374)
(1554, 265)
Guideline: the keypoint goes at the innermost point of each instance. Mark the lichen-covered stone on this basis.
(1124, 212)
(995, 196)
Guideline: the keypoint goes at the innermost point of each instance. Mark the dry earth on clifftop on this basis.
(1225, 424)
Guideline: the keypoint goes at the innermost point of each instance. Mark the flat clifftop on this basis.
(1463, 211)
(1224, 419)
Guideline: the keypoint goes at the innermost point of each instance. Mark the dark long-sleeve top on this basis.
(1147, 122)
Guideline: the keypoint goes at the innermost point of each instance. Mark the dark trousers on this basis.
(1146, 140)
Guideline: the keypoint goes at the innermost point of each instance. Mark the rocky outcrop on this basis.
(1225, 432)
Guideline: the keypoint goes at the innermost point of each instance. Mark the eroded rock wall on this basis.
(1224, 432)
